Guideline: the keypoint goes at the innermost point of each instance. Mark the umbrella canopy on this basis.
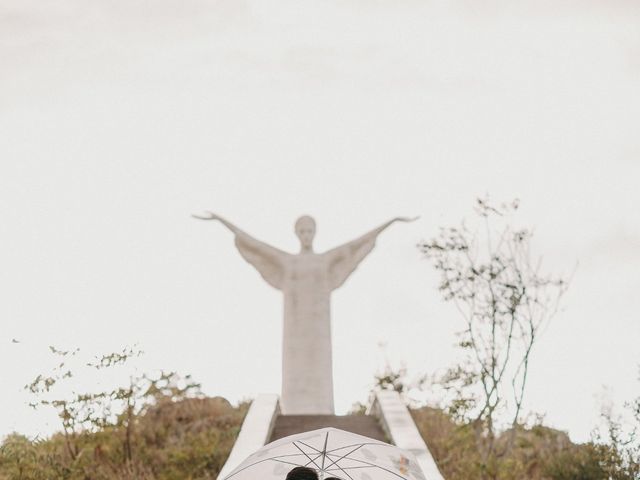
(331, 453)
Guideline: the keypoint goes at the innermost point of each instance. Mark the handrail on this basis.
(254, 433)
(402, 431)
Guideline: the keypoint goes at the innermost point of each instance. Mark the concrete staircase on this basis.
(366, 425)
(388, 420)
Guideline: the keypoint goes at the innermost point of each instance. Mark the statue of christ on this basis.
(307, 280)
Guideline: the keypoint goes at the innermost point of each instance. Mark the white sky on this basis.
(120, 118)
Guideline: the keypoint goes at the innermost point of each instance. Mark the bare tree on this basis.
(489, 274)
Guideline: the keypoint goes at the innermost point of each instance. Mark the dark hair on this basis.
(302, 473)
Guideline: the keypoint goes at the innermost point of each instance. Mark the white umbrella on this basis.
(331, 453)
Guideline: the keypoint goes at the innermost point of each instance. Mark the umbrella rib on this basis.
(344, 471)
(312, 461)
(309, 446)
(248, 466)
(329, 469)
(324, 449)
(303, 452)
(376, 466)
(283, 456)
(345, 455)
(287, 463)
(360, 444)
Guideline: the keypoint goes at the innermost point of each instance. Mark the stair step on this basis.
(366, 425)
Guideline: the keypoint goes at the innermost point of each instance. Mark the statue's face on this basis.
(306, 230)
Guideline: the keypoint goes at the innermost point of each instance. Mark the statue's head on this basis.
(305, 230)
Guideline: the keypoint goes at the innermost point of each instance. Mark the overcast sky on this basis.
(120, 118)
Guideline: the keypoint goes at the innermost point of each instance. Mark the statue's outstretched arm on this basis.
(343, 260)
(373, 234)
(212, 216)
(241, 235)
(268, 260)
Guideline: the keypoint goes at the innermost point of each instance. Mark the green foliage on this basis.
(172, 440)
(538, 452)
(582, 462)
(156, 427)
(18, 458)
(619, 446)
(391, 379)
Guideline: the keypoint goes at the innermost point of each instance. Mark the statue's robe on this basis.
(307, 280)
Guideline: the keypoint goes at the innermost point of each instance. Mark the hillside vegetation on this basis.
(190, 439)
(538, 453)
(187, 439)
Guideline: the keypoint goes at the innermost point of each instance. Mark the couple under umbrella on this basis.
(328, 454)
(304, 473)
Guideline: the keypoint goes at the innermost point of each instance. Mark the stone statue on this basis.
(307, 280)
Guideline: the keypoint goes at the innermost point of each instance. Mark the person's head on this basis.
(302, 473)
(306, 230)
